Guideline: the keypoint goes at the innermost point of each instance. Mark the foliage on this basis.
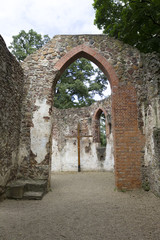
(78, 85)
(25, 43)
(136, 22)
(103, 130)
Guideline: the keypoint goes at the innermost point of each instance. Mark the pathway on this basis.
(82, 206)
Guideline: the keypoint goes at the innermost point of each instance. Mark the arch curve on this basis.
(90, 54)
(96, 123)
(98, 113)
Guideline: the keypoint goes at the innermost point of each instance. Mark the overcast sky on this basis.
(50, 17)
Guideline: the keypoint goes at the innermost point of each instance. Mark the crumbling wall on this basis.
(150, 108)
(135, 83)
(64, 139)
(120, 63)
(129, 73)
(11, 91)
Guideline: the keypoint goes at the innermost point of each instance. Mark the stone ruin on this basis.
(93, 157)
(31, 132)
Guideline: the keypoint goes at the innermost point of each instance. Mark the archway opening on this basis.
(78, 88)
(124, 114)
(81, 84)
(103, 138)
(90, 54)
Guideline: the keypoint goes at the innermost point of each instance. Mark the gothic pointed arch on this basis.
(96, 124)
(92, 55)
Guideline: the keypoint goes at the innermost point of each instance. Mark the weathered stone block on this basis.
(15, 190)
(26, 189)
(33, 195)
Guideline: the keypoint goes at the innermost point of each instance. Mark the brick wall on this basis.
(128, 139)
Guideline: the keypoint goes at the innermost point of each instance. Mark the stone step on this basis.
(36, 186)
(33, 195)
(18, 189)
(15, 189)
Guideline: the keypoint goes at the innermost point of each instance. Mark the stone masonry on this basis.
(11, 94)
(121, 64)
(135, 82)
(150, 109)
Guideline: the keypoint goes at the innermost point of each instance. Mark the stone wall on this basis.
(129, 73)
(121, 64)
(11, 90)
(150, 108)
(64, 141)
(26, 126)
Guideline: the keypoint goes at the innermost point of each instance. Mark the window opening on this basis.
(103, 140)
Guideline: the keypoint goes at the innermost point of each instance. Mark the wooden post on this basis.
(78, 143)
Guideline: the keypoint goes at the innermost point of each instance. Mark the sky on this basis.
(52, 17)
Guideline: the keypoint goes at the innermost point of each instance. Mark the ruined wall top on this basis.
(123, 58)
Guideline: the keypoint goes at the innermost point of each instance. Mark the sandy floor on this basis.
(82, 206)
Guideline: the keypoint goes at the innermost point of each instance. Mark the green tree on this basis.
(78, 85)
(136, 22)
(25, 43)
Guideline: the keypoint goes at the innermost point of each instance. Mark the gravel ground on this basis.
(82, 206)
